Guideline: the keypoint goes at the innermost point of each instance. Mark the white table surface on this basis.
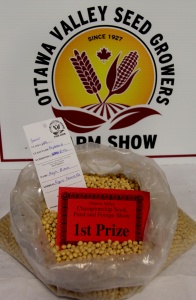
(177, 282)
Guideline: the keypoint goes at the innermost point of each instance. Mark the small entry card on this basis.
(101, 214)
(55, 158)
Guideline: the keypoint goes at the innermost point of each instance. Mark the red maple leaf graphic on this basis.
(103, 54)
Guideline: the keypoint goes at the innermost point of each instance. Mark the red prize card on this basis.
(87, 214)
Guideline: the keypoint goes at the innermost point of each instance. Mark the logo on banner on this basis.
(104, 75)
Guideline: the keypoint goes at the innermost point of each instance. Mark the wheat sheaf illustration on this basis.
(118, 80)
(86, 73)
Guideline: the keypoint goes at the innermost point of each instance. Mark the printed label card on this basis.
(55, 158)
(101, 214)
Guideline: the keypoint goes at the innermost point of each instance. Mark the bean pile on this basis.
(184, 238)
(92, 250)
(119, 181)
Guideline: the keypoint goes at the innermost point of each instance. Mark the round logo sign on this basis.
(103, 74)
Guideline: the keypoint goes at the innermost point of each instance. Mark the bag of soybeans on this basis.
(108, 269)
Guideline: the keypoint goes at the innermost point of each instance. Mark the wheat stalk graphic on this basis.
(118, 79)
(86, 73)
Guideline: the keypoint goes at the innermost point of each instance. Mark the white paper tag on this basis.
(55, 158)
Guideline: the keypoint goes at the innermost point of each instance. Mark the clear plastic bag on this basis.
(130, 270)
